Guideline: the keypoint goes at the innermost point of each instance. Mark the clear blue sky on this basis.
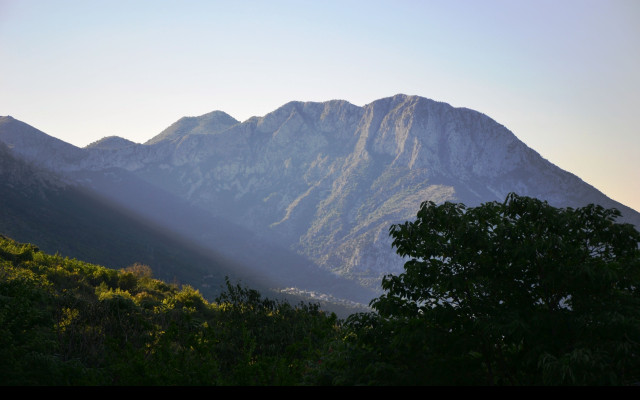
(563, 75)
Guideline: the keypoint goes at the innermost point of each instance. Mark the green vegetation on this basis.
(513, 293)
(66, 322)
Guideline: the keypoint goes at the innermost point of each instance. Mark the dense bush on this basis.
(513, 293)
(66, 322)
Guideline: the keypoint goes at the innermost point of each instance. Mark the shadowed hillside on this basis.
(316, 184)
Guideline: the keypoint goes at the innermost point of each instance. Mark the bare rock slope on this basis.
(326, 180)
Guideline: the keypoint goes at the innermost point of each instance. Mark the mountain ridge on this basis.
(210, 123)
(327, 179)
(111, 143)
(79, 222)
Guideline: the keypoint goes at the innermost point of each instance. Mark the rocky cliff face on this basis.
(328, 179)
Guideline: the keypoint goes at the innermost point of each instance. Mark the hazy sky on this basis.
(563, 75)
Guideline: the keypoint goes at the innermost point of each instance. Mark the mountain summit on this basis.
(211, 123)
(327, 179)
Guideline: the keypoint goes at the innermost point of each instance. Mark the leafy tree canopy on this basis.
(518, 292)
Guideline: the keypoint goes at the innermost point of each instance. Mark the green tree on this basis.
(518, 292)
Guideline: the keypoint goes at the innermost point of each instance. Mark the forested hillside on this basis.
(67, 322)
(512, 293)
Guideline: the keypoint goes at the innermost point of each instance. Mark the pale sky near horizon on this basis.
(562, 75)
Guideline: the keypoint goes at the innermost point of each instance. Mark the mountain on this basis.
(325, 180)
(76, 222)
(32, 144)
(208, 124)
(111, 143)
(113, 218)
(39, 207)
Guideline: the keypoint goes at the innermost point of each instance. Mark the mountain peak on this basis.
(35, 145)
(111, 143)
(210, 123)
(217, 116)
(327, 179)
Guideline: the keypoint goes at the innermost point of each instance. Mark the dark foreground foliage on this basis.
(513, 293)
(66, 322)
